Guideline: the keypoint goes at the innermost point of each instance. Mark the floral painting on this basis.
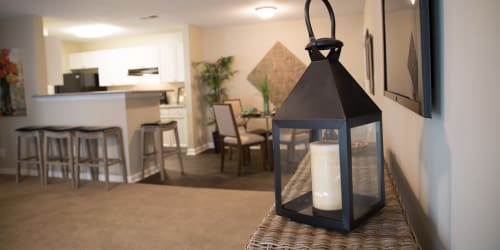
(12, 99)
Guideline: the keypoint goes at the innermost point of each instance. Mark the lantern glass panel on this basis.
(311, 167)
(294, 147)
(365, 169)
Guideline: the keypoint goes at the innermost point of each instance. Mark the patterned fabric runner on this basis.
(388, 229)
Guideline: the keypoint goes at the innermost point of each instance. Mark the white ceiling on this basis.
(61, 14)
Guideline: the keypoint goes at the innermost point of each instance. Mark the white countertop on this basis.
(96, 94)
(171, 106)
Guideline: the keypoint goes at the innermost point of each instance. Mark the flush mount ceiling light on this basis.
(93, 30)
(266, 12)
(148, 17)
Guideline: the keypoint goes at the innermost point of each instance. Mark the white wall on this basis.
(250, 43)
(447, 167)
(25, 33)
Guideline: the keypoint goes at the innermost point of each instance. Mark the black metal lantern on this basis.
(327, 141)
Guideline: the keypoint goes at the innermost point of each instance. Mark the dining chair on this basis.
(241, 122)
(231, 137)
(237, 111)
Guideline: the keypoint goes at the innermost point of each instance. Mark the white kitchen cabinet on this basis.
(113, 68)
(171, 63)
(84, 60)
(143, 57)
(113, 64)
(176, 113)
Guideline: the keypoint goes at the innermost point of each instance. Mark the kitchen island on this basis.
(125, 109)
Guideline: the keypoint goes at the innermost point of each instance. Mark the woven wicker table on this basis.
(388, 229)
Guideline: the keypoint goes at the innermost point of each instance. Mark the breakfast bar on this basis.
(125, 109)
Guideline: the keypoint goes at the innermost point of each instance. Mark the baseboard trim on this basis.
(198, 150)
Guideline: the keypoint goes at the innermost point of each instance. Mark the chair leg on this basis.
(222, 157)
(230, 153)
(263, 149)
(270, 153)
(179, 152)
(240, 158)
(248, 158)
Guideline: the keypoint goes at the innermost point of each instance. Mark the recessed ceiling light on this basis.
(93, 30)
(266, 12)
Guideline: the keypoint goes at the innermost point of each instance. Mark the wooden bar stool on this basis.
(159, 153)
(31, 134)
(62, 136)
(90, 135)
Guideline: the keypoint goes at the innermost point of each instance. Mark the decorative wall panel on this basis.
(283, 70)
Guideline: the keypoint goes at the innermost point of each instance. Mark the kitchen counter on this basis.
(126, 109)
(172, 106)
(98, 94)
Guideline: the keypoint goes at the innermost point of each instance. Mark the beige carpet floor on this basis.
(133, 216)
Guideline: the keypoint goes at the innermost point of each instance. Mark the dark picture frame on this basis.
(369, 62)
(407, 54)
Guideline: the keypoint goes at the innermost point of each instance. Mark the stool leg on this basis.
(77, 164)
(179, 152)
(39, 156)
(105, 157)
(90, 159)
(121, 153)
(46, 157)
(159, 152)
(94, 154)
(61, 157)
(71, 161)
(143, 166)
(18, 168)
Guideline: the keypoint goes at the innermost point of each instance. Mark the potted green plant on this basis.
(263, 86)
(213, 75)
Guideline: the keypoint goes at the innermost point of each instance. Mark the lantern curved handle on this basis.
(308, 20)
(315, 45)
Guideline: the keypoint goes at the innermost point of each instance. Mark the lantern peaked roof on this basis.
(326, 91)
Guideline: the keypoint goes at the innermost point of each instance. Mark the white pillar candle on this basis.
(325, 173)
